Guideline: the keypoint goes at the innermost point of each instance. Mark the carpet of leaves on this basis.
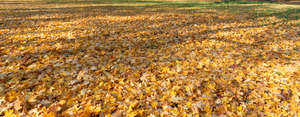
(92, 60)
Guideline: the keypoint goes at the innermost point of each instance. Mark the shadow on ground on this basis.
(139, 38)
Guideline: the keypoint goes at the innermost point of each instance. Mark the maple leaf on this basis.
(9, 113)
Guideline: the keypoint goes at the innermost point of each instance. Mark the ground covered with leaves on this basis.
(147, 58)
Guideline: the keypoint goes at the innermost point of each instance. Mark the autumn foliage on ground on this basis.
(142, 59)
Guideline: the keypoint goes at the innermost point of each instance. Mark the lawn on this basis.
(149, 58)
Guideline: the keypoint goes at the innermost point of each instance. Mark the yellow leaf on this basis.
(298, 43)
(9, 113)
(62, 102)
(132, 114)
(154, 104)
(240, 108)
(211, 86)
(172, 93)
(165, 69)
(238, 79)
(189, 104)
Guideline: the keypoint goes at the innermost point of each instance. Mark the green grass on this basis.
(253, 8)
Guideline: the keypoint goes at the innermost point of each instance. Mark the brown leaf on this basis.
(117, 114)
